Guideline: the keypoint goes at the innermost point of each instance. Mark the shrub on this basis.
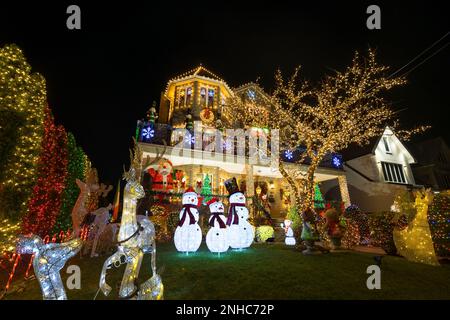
(263, 233)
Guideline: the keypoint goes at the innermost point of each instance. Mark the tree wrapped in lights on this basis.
(45, 202)
(75, 170)
(22, 103)
(439, 221)
(345, 108)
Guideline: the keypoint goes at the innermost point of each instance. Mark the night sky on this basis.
(104, 77)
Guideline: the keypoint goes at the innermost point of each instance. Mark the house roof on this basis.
(355, 151)
(428, 150)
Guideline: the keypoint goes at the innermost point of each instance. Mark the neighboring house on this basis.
(433, 164)
(376, 173)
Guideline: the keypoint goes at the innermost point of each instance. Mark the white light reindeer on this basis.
(136, 237)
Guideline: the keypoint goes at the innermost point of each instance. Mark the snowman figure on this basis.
(240, 231)
(188, 235)
(217, 236)
(289, 240)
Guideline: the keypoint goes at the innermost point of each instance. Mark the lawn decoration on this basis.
(188, 235)
(289, 240)
(334, 227)
(217, 236)
(415, 242)
(241, 233)
(136, 236)
(48, 260)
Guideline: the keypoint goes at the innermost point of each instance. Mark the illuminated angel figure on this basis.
(48, 260)
(136, 236)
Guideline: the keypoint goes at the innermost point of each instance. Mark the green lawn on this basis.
(269, 271)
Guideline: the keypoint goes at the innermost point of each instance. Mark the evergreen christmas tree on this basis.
(318, 199)
(75, 170)
(206, 190)
(22, 104)
(45, 201)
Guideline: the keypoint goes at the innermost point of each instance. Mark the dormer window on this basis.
(387, 147)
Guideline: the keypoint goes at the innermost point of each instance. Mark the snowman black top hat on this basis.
(232, 186)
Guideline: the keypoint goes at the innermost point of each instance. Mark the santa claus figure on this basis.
(161, 175)
(217, 236)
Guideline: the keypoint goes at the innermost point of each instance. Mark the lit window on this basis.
(210, 97)
(387, 148)
(202, 96)
(393, 172)
(188, 96)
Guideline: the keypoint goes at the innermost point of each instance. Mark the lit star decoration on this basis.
(190, 138)
(148, 132)
(289, 154)
(227, 145)
(337, 162)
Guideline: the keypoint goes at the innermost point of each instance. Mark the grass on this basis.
(267, 271)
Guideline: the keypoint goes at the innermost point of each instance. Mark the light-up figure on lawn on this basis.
(217, 236)
(188, 235)
(240, 232)
(289, 240)
(48, 260)
(135, 237)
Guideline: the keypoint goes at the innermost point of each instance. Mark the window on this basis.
(393, 172)
(387, 148)
(210, 97)
(202, 97)
(188, 96)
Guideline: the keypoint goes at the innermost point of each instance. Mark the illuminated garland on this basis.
(75, 170)
(45, 201)
(22, 99)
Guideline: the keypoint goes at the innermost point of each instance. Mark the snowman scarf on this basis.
(216, 216)
(233, 217)
(187, 211)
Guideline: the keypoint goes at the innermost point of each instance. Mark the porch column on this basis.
(345, 196)
(250, 185)
(216, 181)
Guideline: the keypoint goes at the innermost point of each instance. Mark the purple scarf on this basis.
(215, 216)
(187, 210)
(233, 217)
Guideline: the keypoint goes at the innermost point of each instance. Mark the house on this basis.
(376, 173)
(432, 169)
(192, 109)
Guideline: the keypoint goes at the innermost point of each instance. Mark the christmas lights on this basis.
(23, 101)
(345, 108)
